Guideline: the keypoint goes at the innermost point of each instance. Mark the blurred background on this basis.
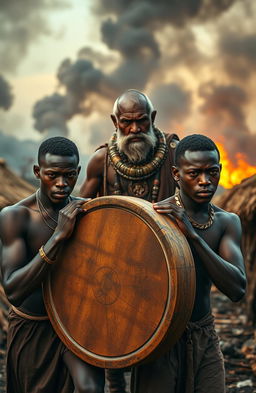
(64, 62)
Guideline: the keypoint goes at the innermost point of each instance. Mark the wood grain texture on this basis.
(123, 287)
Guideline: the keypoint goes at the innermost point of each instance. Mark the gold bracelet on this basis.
(45, 257)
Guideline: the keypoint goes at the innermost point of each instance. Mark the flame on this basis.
(233, 173)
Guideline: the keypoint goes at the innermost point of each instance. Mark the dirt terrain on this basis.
(237, 343)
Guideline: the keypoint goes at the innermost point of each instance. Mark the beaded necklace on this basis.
(196, 224)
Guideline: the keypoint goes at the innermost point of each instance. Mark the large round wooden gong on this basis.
(123, 287)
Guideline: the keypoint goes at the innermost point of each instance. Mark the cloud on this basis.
(155, 47)
(239, 54)
(173, 104)
(22, 23)
(225, 118)
(6, 96)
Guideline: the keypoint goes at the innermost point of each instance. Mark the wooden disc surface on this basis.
(123, 287)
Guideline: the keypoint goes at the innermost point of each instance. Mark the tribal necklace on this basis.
(196, 224)
(141, 171)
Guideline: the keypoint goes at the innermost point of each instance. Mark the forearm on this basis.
(22, 282)
(227, 277)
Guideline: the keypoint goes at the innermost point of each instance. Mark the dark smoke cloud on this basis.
(147, 41)
(173, 104)
(19, 154)
(239, 54)
(79, 78)
(224, 111)
(51, 114)
(23, 22)
(6, 96)
(153, 14)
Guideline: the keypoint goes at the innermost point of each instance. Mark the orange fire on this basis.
(233, 173)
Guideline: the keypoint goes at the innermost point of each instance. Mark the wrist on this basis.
(44, 257)
(57, 238)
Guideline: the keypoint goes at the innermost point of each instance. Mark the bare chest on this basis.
(38, 233)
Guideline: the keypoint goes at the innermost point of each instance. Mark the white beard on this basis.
(136, 151)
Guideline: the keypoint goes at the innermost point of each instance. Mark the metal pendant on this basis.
(138, 189)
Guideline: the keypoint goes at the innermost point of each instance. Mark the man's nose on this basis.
(61, 181)
(204, 178)
(135, 128)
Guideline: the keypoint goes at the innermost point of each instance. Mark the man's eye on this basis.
(72, 174)
(51, 175)
(214, 172)
(125, 122)
(143, 120)
(193, 174)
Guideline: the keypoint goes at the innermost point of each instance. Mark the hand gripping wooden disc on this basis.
(122, 290)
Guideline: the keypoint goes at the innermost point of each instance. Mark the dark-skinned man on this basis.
(137, 161)
(195, 364)
(32, 232)
(138, 157)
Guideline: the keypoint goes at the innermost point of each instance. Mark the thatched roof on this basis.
(12, 187)
(241, 199)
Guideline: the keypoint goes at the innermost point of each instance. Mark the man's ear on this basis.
(220, 167)
(113, 117)
(78, 170)
(153, 116)
(175, 173)
(36, 171)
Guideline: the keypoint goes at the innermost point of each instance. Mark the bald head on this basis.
(132, 101)
(133, 116)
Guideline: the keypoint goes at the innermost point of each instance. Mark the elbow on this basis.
(236, 298)
(239, 293)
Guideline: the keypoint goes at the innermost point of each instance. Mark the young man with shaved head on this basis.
(32, 233)
(195, 364)
(137, 162)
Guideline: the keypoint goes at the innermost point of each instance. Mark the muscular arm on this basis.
(94, 175)
(226, 268)
(21, 276)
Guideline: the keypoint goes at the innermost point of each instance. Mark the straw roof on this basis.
(241, 199)
(12, 187)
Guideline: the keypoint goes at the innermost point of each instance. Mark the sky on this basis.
(64, 62)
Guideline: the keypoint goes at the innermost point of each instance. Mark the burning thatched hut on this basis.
(241, 199)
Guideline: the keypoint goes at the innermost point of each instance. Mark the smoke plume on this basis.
(163, 49)
(6, 96)
(22, 22)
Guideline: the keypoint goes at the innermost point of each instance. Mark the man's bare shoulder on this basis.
(18, 212)
(227, 218)
(99, 155)
(96, 162)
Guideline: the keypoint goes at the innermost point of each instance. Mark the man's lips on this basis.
(60, 194)
(136, 139)
(204, 193)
